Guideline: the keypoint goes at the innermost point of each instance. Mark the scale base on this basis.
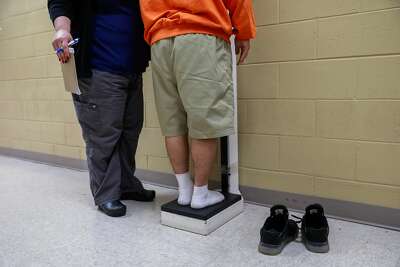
(202, 221)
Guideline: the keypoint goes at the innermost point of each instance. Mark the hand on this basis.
(242, 48)
(61, 40)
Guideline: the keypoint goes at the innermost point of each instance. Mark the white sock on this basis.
(202, 197)
(185, 188)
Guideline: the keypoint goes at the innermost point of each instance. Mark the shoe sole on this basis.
(114, 213)
(316, 247)
(273, 250)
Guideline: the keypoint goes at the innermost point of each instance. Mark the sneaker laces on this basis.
(297, 217)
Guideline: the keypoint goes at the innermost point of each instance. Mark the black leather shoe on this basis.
(113, 208)
(144, 195)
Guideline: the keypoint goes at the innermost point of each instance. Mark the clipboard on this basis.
(69, 73)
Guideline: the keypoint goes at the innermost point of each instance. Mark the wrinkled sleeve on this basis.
(58, 8)
(242, 17)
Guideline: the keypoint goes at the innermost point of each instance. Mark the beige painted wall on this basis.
(319, 98)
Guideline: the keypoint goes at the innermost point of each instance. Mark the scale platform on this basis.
(201, 221)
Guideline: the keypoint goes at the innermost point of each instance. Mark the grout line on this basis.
(252, 99)
(316, 38)
(279, 152)
(316, 118)
(278, 86)
(314, 176)
(324, 138)
(356, 162)
(26, 57)
(392, 186)
(278, 6)
(314, 179)
(24, 13)
(382, 55)
(355, 13)
(30, 57)
(32, 78)
(25, 35)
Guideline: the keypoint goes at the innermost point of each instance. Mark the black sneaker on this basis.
(143, 196)
(277, 231)
(315, 229)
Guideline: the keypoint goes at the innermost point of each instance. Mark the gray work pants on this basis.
(110, 112)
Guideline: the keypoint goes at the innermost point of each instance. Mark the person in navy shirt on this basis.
(114, 36)
(110, 58)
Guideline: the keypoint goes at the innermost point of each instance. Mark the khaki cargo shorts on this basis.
(192, 78)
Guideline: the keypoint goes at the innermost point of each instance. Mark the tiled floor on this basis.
(47, 218)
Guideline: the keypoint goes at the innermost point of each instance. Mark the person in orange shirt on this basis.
(192, 77)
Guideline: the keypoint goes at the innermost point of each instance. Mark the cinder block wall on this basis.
(319, 98)
(35, 113)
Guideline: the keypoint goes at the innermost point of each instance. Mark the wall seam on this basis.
(336, 16)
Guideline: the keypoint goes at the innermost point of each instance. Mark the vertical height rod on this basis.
(233, 153)
(225, 172)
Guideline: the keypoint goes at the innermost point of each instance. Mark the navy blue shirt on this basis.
(114, 36)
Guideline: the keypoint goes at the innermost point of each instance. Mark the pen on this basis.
(71, 43)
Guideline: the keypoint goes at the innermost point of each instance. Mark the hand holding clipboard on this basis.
(69, 70)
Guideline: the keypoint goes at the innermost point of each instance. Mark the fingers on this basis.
(56, 45)
(244, 48)
(66, 50)
(63, 52)
(61, 48)
(243, 54)
(241, 60)
(60, 51)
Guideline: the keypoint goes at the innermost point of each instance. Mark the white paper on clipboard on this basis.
(69, 73)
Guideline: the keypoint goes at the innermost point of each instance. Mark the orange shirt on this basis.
(167, 18)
